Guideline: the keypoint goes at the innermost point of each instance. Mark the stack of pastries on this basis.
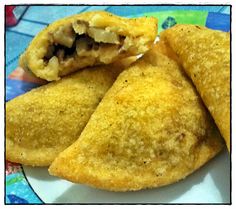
(115, 121)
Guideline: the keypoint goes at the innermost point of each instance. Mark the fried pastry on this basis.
(87, 39)
(43, 122)
(150, 129)
(205, 56)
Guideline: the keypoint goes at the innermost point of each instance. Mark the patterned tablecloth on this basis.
(18, 190)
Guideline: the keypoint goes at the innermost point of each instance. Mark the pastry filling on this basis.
(78, 40)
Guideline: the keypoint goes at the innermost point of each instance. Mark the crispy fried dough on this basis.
(205, 56)
(87, 39)
(151, 129)
(43, 122)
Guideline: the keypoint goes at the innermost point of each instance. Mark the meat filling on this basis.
(78, 40)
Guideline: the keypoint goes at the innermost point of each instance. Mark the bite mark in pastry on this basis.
(87, 39)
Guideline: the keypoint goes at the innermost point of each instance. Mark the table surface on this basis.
(38, 17)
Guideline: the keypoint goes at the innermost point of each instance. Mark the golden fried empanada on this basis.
(150, 129)
(205, 56)
(43, 122)
(87, 39)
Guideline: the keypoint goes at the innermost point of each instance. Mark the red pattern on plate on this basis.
(12, 168)
(20, 74)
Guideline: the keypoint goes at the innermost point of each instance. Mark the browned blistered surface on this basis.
(151, 129)
(205, 55)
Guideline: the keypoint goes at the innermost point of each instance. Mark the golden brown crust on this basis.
(141, 33)
(151, 129)
(205, 55)
(43, 122)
